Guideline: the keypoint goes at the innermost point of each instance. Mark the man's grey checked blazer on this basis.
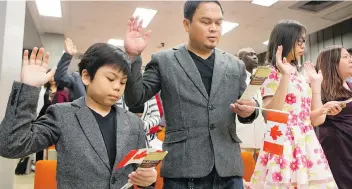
(83, 161)
(200, 128)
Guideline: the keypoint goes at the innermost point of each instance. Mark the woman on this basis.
(335, 133)
(286, 89)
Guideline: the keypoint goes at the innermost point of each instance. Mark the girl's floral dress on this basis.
(303, 164)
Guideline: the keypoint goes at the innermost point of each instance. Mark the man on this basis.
(198, 85)
(250, 59)
(252, 135)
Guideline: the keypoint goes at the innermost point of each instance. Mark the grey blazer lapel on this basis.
(220, 67)
(121, 128)
(187, 63)
(91, 129)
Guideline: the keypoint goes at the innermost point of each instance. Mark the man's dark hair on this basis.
(191, 6)
(349, 50)
(243, 52)
(102, 54)
(285, 33)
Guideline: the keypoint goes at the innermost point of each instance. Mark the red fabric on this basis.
(61, 96)
(153, 130)
(160, 106)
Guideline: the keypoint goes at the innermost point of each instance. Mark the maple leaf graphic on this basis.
(275, 132)
(141, 155)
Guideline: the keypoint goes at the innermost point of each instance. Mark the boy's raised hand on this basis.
(34, 69)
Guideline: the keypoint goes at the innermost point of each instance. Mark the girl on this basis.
(303, 164)
(335, 133)
(150, 115)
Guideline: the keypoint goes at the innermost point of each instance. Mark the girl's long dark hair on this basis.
(285, 33)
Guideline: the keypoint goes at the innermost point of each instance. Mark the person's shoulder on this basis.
(273, 70)
(63, 106)
(76, 74)
(170, 51)
(69, 107)
(135, 123)
(129, 115)
(229, 56)
(61, 110)
(165, 58)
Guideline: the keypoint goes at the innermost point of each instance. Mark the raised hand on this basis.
(135, 42)
(70, 48)
(34, 69)
(284, 67)
(311, 74)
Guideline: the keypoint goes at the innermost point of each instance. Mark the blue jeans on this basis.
(212, 181)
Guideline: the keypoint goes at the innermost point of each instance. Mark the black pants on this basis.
(212, 181)
(39, 156)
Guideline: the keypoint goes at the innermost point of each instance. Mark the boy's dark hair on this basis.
(191, 6)
(102, 54)
(285, 33)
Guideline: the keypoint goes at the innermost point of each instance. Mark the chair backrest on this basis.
(52, 147)
(45, 174)
(249, 165)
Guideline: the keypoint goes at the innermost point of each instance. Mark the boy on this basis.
(91, 134)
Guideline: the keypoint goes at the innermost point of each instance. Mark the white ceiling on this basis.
(87, 22)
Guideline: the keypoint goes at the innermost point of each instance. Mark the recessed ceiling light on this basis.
(266, 3)
(266, 42)
(50, 8)
(145, 14)
(116, 42)
(228, 26)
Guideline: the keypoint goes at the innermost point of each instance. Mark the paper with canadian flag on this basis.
(146, 157)
(275, 132)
